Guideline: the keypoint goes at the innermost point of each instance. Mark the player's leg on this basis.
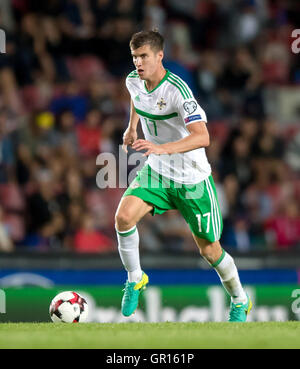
(130, 210)
(145, 194)
(225, 266)
(200, 208)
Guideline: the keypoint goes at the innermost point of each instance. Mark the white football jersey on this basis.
(165, 112)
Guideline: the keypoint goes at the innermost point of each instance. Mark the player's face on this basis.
(146, 61)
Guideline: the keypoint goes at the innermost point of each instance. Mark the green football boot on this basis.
(131, 295)
(239, 311)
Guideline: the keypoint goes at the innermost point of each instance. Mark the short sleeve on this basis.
(190, 110)
(129, 82)
(187, 106)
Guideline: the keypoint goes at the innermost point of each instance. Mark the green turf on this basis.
(151, 335)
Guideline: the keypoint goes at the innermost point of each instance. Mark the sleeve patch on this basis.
(192, 118)
(190, 106)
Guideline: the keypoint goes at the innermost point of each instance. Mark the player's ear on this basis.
(160, 55)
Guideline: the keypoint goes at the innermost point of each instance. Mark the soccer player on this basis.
(176, 174)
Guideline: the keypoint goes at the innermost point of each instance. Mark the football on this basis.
(68, 307)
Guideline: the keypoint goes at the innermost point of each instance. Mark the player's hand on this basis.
(129, 137)
(149, 146)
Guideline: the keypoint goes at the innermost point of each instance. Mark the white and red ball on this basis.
(68, 307)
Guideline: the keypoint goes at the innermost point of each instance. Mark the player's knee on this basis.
(123, 220)
(207, 253)
(210, 250)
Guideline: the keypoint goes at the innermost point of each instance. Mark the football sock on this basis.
(128, 246)
(228, 273)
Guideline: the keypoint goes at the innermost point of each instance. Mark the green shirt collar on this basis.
(160, 83)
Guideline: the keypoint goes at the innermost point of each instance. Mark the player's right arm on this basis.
(130, 135)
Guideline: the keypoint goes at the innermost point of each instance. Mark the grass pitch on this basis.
(150, 335)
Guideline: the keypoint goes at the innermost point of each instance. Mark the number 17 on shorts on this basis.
(206, 215)
(208, 223)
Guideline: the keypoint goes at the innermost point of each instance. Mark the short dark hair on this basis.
(152, 38)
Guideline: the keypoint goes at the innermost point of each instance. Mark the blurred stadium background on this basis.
(63, 101)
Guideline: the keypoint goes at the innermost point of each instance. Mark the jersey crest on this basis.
(161, 104)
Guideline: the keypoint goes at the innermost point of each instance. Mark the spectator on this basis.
(269, 144)
(70, 99)
(66, 137)
(54, 50)
(119, 60)
(100, 96)
(293, 152)
(238, 72)
(73, 215)
(6, 243)
(276, 58)
(89, 239)
(239, 162)
(46, 222)
(284, 229)
(38, 135)
(89, 134)
(268, 151)
(7, 157)
(103, 12)
(72, 192)
(155, 15)
(238, 235)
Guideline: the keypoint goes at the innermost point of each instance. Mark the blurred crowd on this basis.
(63, 101)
